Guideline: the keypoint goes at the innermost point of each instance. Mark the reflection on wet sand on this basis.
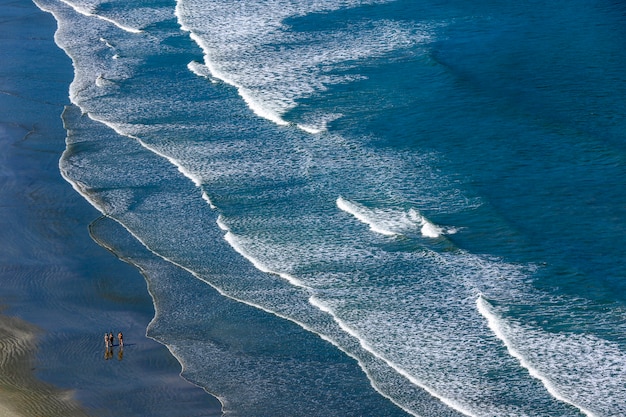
(108, 346)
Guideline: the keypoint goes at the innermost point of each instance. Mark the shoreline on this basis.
(60, 290)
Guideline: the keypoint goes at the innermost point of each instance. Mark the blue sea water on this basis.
(433, 191)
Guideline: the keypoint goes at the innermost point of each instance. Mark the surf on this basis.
(271, 83)
(564, 363)
(390, 222)
(88, 13)
(325, 229)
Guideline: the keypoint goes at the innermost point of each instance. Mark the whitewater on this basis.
(304, 196)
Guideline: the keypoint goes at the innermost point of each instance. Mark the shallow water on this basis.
(52, 274)
(434, 189)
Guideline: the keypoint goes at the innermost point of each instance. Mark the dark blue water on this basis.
(433, 188)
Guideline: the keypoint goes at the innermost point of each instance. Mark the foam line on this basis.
(106, 43)
(256, 107)
(206, 198)
(87, 13)
(450, 403)
(318, 123)
(230, 238)
(498, 326)
(213, 73)
(297, 322)
(311, 129)
(391, 222)
(249, 303)
(150, 325)
(428, 229)
(360, 214)
(232, 241)
(312, 301)
(100, 81)
(201, 70)
(197, 181)
(82, 190)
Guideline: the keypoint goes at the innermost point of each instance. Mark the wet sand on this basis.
(59, 290)
(21, 394)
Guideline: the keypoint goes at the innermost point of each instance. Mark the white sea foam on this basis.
(414, 312)
(109, 116)
(200, 70)
(122, 130)
(425, 326)
(391, 222)
(571, 366)
(240, 244)
(437, 337)
(366, 216)
(363, 342)
(101, 81)
(207, 198)
(240, 49)
(428, 228)
(87, 12)
(312, 129)
(317, 123)
(111, 47)
(106, 43)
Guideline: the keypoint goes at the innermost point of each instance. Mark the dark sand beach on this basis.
(59, 290)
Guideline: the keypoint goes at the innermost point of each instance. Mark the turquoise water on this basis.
(433, 189)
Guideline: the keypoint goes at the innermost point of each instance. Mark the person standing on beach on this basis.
(111, 339)
(120, 338)
(108, 346)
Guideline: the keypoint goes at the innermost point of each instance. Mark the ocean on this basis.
(364, 208)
